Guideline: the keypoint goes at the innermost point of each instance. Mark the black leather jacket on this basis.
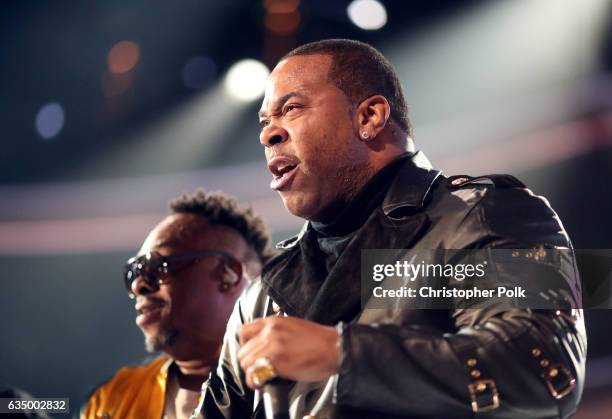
(493, 362)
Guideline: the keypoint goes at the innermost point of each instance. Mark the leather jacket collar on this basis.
(411, 185)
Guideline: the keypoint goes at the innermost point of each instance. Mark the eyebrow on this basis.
(168, 243)
(281, 101)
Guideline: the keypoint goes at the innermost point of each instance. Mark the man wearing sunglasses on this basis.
(184, 282)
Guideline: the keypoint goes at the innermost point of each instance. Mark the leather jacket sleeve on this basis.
(225, 392)
(498, 363)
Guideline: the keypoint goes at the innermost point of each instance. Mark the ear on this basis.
(231, 275)
(371, 117)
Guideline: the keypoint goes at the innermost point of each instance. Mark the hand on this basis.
(298, 349)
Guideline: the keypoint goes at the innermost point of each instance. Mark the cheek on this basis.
(311, 143)
(328, 153)
(320, 140)
(208, 315)
(196, 302)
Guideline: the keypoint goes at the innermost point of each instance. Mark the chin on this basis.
(303, 206)
(160, 341)
(295, 203)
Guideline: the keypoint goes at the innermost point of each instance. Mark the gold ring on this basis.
(263, 371)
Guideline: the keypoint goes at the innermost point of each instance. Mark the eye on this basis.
(290, 107)
(264, 123)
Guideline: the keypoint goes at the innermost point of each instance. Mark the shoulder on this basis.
(493, 180)
(151, 368)
(505, 209)
(134, 375)
(116, 394)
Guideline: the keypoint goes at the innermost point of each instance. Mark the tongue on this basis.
(282, 177)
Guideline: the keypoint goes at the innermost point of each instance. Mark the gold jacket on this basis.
(135, 392)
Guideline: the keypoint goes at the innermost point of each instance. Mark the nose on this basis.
(140, 286)
(272, 135)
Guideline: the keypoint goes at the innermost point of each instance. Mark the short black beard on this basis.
(164, 339)
(353, 177)
(349, 179)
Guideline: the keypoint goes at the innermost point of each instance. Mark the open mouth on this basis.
(148, 309)
(283, 170)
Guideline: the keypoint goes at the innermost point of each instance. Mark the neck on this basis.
(390, 146)
(192, 373)
(355, 212)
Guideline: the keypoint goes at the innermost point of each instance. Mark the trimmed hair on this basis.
(361, 71)
(219, 208)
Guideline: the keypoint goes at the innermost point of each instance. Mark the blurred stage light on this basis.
(189, 137)
(282, 23)
(114, 84)
(123, 57)
(281, 6)
(199, 72)
(367, 14)
(246, 79)
(50, 120)
(282, 16)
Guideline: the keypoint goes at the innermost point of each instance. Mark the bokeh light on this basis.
(281, 6)
(199, 72)
(116, 84)
(367, 14)
(50, 120)
(246, 79)
(282, 23)
(123, 57)
(282, 16)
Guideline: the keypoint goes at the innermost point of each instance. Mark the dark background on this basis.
(520, 87)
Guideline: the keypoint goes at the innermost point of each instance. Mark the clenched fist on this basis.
(298, 349)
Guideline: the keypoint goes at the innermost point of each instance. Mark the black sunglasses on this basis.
(154, 268)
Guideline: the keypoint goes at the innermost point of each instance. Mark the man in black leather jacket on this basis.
(338, 143)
